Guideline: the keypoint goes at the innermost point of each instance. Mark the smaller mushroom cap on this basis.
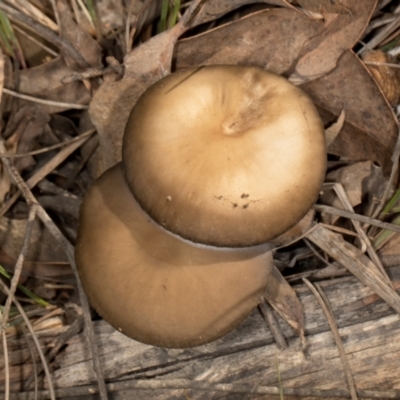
(225, 155)
(154, 286)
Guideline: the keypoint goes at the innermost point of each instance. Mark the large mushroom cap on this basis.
(154, 286)
(225, 155)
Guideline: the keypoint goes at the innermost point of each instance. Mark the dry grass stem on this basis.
(34, 364)
(273, 324)
(357, 217)
(6, 362)
(356, 262)
(18, 267)
(324, 303)
(51, 314)
(62, 339)
(376, 262)
(49, 148)
(31, 38)
(29, 9)
(382, 35)
(56, 14)
(44, 101)
(393, 176)
(383, 64)
(5, 289)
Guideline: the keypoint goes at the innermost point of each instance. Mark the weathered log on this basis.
(246, 360)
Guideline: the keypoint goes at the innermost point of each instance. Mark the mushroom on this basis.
(225, 155)
(154, 286)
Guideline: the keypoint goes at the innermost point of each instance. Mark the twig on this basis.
(18, 267)
(316, 254)
(46, 33)
(90, 73)
(272, 323)
(31, 38)
(358, 217)
(326, 308)
(5, 289)
(55, 11)
(44, 101)
(382, 64)
(34, 364)
(6, 364)
(49, 148)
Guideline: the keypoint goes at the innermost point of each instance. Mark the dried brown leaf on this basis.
(352, 178)
(341, 32)
(334, 129)
(388, 78)
(45, 82)
(296, 232)
(43, 246)
(51, 270)
(112, 103)
(79, 38)
(271, 39)
(327, 6)
(367, 111)
(213, 9)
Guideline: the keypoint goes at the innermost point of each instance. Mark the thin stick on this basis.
(55, 11)
(34, 364)
(49, 148)
(5, 289)
(358, 217)
(6, 365)
(18, 267)
(31, 38)
(44, 101)
(383, 64)
(326, 308)
(272, 323)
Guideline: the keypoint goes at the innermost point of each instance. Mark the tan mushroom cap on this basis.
(225, 155)
(154, 286)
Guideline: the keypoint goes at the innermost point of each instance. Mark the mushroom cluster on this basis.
(173, 243)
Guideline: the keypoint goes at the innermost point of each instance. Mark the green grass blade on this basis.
(26, 291)
(174, 14)
(163, 17)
